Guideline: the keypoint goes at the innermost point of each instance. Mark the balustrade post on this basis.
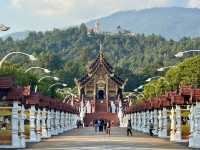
(62, 121)
(138, 121)
(74, 123)
(144, 121)
(33, 137)
(52, 122)
(59, 122)
(22, 127)
(15, 127)
(178, 124)
(160, 123)
(173, 125)
(192, 127)
(147, 121)
(151, 116)
(44, 123)
(70, 121)
(164, 123)
(66, 121)
(194, 141)
(155, 123)
(141, 121)
(56, 122)
(38, 126)
(132, 120)
(135, 121)
(49, 123)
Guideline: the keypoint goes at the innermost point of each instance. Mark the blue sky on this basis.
(23, 15)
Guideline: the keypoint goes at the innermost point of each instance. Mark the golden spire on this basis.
(101, 53)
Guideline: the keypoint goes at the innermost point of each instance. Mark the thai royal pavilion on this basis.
(100, 92)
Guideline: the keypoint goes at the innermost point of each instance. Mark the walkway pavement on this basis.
(87, 139)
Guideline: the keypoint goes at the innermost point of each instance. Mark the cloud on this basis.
(83, 8)
(44, 7)
(194, 3)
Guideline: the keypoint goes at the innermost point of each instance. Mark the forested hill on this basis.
(172, 22)
(68, 52)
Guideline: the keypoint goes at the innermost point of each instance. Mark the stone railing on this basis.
(31, 118)
(169, 115)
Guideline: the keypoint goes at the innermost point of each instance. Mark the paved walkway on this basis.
(87, 139)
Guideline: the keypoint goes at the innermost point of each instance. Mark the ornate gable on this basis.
(100, 63)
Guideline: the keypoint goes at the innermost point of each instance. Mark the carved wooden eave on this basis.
(93, 68)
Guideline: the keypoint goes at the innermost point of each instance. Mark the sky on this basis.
(41, 15)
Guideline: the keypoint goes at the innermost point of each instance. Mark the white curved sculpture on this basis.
(82, 111)
(88, 107)
(113, 107)
(120, 114)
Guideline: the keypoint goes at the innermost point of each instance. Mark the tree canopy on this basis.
(67, 53)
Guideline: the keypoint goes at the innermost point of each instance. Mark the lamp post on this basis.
(73, 95)
(139, 95)
(180, 54)
(44, 77)
(4, 28)
(163, 68)
(44, 69)
(149, 79)
(31, 57)
(58, 83)
(138, 88)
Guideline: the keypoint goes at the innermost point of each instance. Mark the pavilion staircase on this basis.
(101, 113)
(101, 107)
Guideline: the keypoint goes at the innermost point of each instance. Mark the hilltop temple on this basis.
(100, 92)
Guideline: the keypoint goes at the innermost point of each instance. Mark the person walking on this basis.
(150, 128)
(99, 125)
(95, 125)
(129, 128)
(77, 124)
(104, 126)
(108, 128)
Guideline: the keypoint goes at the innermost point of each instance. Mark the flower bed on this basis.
(185, 131)
(5, 137)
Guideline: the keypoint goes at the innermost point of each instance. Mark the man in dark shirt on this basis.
(129, 128)
(150, 128)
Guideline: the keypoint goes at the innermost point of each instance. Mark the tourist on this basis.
(95, 125)
(150, 128)
(102, 125)
(80, 124)
(77, 124)
(105, 124)
(129, 128)
(108, 128)
(99, 125)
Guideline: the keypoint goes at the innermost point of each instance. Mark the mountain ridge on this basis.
(169, 22)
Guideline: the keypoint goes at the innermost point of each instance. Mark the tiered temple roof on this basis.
(100, 60)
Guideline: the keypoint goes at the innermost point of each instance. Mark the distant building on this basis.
(96, 29)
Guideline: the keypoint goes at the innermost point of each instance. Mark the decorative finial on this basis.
(101, 52)
(97, 26)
